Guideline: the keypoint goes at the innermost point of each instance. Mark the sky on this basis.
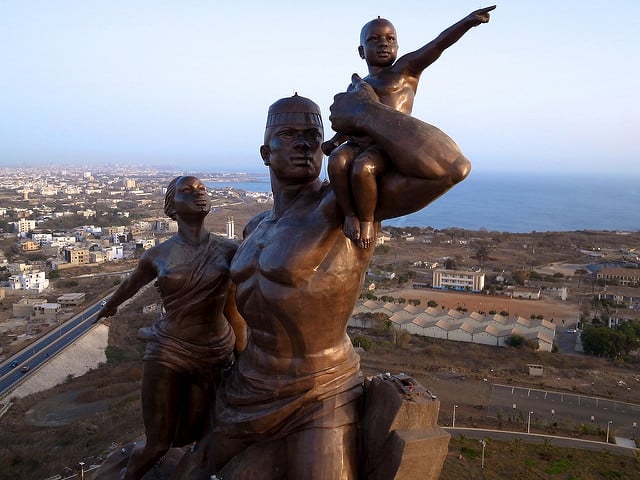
(545, 86)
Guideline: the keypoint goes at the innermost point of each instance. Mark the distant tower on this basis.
(231, 228)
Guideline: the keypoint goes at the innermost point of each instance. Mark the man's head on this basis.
(378, 43)
(292, 138)
(292, 111)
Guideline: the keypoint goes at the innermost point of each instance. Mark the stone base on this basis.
(115, 463)
(400, 436)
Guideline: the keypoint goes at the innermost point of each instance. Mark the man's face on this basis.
(191, 197)
(379, 45)
(293, 152)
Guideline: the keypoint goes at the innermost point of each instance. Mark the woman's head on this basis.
(186, 195)
(169, 199)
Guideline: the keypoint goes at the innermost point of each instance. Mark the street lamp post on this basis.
(81, 464)
(529, 421)
(608, 425)
(484, 444)
(453, 421)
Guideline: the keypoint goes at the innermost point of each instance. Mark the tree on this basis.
(520, 276)
(53, 274)
(450, 264)
(383, 249)
(580, 272)
(614, 343)
(514, 340)
(482, 250)
(362, 342)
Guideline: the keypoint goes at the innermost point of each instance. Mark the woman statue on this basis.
(193, 342)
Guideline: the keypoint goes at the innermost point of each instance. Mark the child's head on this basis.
(378, 43)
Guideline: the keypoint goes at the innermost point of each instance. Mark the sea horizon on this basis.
(521, 202)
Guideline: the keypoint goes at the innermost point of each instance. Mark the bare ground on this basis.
(108, 410)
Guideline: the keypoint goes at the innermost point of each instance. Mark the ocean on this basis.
(523, 202)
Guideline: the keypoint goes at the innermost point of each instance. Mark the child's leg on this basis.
(366, 167)
(339, 167)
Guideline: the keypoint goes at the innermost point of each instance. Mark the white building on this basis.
(42, 238)
(458, 280)
(24, 226)
(231, 228)
(530, 293)
(32, 281)
(115, 252)
(65, 241)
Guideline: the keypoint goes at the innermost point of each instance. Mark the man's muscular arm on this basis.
(426, 161)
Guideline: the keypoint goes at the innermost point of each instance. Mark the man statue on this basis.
(289, 408)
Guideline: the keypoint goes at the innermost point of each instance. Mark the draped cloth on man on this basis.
(272, 405)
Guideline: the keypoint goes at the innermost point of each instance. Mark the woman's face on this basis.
(191, 197)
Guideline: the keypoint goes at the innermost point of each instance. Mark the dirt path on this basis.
(475, 302)
(64, 408)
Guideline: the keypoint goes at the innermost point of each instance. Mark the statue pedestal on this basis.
(115, 463)
(399, 433)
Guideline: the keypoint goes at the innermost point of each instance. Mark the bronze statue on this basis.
(354, 166)
(192, 343)
(289, 408)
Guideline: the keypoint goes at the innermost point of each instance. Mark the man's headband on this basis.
(294, 110)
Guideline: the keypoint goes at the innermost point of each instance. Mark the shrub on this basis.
(515, 340)
(470, 453)
(362, 342)
(114, 354)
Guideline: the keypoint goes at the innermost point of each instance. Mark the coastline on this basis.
(522, 203)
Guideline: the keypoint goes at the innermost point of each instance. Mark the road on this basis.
(565, 341)
(45, 348)
(534, 438)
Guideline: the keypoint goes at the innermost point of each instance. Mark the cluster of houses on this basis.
(90, 244)
(41, 310)
(460, 326)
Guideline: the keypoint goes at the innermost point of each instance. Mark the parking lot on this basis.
(515, 403)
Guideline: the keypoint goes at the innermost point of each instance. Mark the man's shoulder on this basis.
(253, 223)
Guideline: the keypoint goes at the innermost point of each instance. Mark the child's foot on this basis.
(351, 228)
(367, 235)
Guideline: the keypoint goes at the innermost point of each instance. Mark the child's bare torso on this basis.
(394, 89)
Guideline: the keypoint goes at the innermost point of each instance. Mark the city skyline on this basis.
(543, 86)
